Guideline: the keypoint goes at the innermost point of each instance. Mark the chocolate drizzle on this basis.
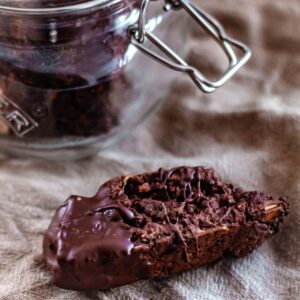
(188, 176)
(154, 224)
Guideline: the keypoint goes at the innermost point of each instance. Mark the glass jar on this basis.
(72, 78)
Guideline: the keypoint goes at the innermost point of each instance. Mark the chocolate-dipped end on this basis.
(88, 244)
(153, 225)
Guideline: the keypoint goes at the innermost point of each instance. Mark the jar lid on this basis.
(40, 3)
(44, 6)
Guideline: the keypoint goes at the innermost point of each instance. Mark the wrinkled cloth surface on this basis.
(248, 130)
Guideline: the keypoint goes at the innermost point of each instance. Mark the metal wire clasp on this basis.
(139, 34)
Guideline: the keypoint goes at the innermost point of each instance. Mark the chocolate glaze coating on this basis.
(153, 225)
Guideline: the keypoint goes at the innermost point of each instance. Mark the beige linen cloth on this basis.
(249, 131)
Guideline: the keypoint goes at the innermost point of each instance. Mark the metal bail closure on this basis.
(15, 118)
(138, 34)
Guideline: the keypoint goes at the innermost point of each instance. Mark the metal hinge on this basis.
(139, 34)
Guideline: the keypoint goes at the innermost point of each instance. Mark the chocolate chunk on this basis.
(153, 225)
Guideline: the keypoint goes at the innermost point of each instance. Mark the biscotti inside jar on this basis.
(66, 70)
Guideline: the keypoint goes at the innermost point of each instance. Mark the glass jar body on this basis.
(71, 84)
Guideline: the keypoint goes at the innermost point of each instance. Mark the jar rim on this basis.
(72, 8)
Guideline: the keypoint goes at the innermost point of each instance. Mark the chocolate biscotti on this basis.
(153, 225)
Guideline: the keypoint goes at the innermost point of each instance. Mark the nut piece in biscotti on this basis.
(153, 225)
